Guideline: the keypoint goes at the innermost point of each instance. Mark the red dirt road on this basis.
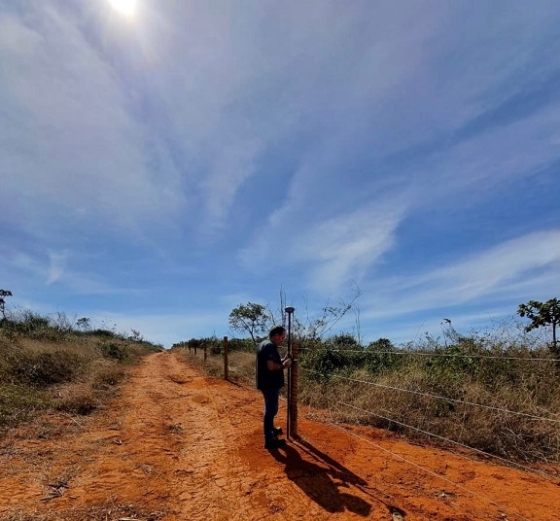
(175, 445)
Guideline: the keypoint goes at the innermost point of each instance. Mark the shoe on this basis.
(277, 431)
(274, 443)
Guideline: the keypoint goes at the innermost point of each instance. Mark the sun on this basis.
(126, 7)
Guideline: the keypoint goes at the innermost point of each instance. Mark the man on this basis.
(270, 379)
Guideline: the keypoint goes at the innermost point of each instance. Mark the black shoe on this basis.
(277, 431)
(274, 443)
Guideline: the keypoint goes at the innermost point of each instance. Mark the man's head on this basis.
(277, 334)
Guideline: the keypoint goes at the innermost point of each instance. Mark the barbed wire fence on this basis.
(340, 411)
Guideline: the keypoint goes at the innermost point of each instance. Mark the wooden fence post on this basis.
(293, 403)
(225, 358)
(205, 354)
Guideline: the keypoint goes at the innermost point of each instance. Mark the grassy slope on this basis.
(47, 367)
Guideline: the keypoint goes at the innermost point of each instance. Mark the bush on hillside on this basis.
(39, 369)
(46, 364)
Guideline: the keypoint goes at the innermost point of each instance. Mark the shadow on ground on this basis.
(324, 480)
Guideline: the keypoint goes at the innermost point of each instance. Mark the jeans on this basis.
(270, 410)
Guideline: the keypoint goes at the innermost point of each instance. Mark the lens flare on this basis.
(126, 7)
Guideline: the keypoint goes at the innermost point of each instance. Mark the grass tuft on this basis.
(46, 365)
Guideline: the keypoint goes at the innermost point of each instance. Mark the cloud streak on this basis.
(202, 151)
(79, 149)
(522, 267)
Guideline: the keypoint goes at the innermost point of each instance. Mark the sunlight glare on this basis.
(126, 7)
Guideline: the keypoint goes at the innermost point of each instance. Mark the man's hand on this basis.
(287, 361)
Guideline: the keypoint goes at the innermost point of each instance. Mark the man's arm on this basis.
(275, 366)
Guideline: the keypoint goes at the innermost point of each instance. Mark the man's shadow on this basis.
(324, 482)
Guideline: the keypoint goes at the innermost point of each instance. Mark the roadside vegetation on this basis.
(59, 365)
(497, 393)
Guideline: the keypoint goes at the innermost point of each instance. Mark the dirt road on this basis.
(175, 445)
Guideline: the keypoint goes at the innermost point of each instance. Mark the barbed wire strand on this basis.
(439, 397)
(544, 474)
(430, 433)
(378, 488)
(479, 451)
(401, 353)
(424, 469)
(431, 355)
(429, 471)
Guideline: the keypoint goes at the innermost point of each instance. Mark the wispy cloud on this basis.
(520, 268)
(328, 253)
(80, 150)
(166, 329)
(53, 271)
(345, 247)
(529, 256)
(203, 152)
(57, 267)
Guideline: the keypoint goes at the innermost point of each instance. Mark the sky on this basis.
(163, 161)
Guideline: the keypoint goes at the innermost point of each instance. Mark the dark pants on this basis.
(270, 410)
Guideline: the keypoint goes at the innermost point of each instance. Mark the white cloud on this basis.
(489, 161)
(345, 247)
(57, 267)
(326, 253)
(166, 329)
(513, 271)
(505, 263)
(52, 271)
(71, 145)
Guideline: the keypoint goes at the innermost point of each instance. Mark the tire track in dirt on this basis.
(175, 445)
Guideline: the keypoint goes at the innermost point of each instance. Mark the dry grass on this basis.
(500, 412)
(470, 401)
(241, 364)
(43, 368)
(110, 512)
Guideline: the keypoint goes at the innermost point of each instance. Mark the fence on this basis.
(521, 431)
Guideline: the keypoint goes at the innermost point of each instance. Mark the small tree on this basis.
(83, 323)
(249, 318)
(4, 293)
(136, 336)
(542, 314)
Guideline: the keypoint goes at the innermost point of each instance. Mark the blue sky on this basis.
(160, 168)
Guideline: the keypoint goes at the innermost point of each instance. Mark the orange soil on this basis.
(176, 445)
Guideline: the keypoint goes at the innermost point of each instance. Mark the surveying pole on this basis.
(291, 428)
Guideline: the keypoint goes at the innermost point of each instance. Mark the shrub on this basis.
(37, 369)
(104, 333)
(108, 376)
(17, 402)
(43, 368)
(82, 403)
(113, 350)
(30, 324)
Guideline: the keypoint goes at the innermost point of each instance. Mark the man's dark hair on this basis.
(276, 330)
